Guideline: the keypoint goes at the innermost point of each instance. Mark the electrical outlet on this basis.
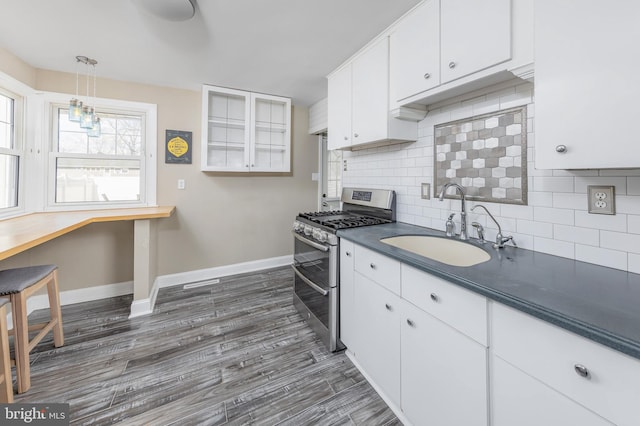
(601, 199)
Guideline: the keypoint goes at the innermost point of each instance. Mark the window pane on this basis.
(97, 180)
(8, 180)
(334, 174)
(6, 122)
(129, 136)
(120, 135)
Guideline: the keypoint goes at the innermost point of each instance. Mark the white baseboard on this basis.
(69, 297)
(222, 271)
(145, 306)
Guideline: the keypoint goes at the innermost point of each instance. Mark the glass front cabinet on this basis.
(244, 131)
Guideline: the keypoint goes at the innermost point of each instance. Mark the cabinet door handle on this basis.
(346, 138)
(373, 266)
(434, 297)
(388, 306)
(355, 135)
(561, 149)
(582, 371)
(411, 323)
(427, 76)
(348, 254)
(452, 65)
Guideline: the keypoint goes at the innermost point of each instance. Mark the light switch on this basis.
(425, 191)
(181, 184)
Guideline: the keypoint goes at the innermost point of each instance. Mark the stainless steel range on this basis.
(316, 256)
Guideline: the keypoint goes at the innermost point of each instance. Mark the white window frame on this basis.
(18, 92)
(148, 168)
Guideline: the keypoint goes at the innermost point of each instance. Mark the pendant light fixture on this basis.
(75, 106)
(84, 113)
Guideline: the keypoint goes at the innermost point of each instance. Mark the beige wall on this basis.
(220, 219)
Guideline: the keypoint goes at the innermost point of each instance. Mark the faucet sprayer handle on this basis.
(479, 230)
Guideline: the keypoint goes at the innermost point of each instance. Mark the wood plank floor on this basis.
(231, 353)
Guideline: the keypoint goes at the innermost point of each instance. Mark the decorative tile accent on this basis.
(486, 154)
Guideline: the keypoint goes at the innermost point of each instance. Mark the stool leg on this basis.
(21, 341)
(6, 387)
(54, 309)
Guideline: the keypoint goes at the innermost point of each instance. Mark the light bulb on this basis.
(75, 110)
(96, 129)
(86, 120)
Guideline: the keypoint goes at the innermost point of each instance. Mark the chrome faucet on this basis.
(500, 239)
(463, 213)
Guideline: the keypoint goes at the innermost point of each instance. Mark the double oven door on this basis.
(316, 287)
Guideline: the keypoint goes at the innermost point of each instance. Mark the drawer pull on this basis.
(373, 266)
(411, 323)
(582, 371)
(388, 306)
(434, 297)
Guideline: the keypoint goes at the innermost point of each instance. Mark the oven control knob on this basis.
(308, 230)
(322, 236)
(296, 226)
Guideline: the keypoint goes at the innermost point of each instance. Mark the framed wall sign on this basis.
(178, 147)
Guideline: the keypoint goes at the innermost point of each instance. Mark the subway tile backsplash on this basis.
(555, 219)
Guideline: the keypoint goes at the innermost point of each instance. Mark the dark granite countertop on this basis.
(599, 303)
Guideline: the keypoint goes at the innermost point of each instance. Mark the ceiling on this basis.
(283, 47)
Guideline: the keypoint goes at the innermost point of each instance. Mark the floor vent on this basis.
(200, 284)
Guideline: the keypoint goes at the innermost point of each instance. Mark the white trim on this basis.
(145, 306)
(70, 297)
(49, 100)
(222, 271)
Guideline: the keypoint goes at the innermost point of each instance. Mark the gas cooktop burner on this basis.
(338, 219)
(354, 222)
(310, 215)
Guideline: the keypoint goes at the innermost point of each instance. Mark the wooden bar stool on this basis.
(6, 382)
(19, 284)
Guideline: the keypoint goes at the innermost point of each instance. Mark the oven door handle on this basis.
(310, 283)
(311, 243)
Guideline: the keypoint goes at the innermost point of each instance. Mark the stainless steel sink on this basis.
(444, 250)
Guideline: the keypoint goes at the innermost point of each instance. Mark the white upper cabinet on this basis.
(245, 132)
(339, 109)
(474, 35)
(415, 51)
(358, 102)
(444, 48)
(586, 88)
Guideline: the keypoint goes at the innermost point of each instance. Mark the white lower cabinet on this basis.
(519, 399)
(596, 377)
(443, 373)
(443, 355)
(425, 367)
(347, 295)
(378, 330)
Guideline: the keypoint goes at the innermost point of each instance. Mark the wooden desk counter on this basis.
(24, 232)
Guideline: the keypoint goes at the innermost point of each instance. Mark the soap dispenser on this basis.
(450, 226)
